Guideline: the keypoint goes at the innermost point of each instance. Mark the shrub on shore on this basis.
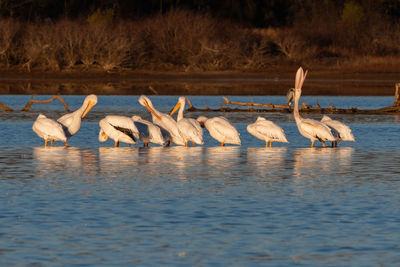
(185, 41)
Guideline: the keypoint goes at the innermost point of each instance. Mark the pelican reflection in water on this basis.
(222, 157)
(318, 162)
(64, 160)
(57, 157)
(178, 161)
(116, 160)
(264, 160)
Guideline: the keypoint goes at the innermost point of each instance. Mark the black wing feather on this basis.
(126, 131)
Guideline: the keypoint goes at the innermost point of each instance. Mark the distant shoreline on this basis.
(275, 81)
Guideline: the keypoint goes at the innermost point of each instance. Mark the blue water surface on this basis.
(93, 204)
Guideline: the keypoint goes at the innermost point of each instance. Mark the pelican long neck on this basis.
(180, 112)
(153, 109)
(296, 113)
(82, 109)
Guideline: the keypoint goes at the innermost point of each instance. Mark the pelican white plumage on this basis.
(72, 121)
(118, 128)
(309, 128)
(165, 121)
(221, 130)
(48, 129)
(268, 131)
(343, 130)
(148, 132)
(190, 129)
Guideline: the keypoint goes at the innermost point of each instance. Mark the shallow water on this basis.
(290, 204)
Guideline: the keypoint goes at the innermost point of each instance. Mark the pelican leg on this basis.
(266, 144)
(45, 142)
(336, 142)
(193, 143)
(270, 143)
(222, 144)
(51, 142)
(168, 143)
(116, 144)
(66, 144)
(186, 144)
(323, 143)
(312, 143)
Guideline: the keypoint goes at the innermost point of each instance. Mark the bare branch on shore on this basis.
(29, 104)
(5, 107)
(395, 108)
(396, 102)
(154, 91)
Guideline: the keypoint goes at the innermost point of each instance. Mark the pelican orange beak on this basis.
(104, 135)
(178, 105)
(151, 110)
(302, 81)
(88, 108)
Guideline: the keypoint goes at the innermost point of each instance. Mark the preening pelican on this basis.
(48, 129)
(148, 132)
(343, 130)
(268, 131)
(221, 130)
(309, 128)
(72, 121)
(190, 129)
(118, 128)
(165, 121)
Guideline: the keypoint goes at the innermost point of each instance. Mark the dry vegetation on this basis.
(186, 41)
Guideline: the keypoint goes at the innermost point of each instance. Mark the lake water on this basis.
(93, 204)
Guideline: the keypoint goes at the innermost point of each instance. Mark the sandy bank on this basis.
(271, 82)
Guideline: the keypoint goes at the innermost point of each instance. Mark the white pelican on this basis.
(165, 121)
(190, 129)
(48, 129)
(268, 131)
(118, 128)
(309, 128)
(221, 130)
(72, 121)
(343, 130)
(148, 132)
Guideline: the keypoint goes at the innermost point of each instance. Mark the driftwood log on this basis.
(5, 107)
(29, 104)
(258, 107)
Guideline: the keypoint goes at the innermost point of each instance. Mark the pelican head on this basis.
(202, 120)
(325, 118)
(136, 118)
(181, 101)
(102, 136)
(146, 102)
(261, 119)
(89, 102)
